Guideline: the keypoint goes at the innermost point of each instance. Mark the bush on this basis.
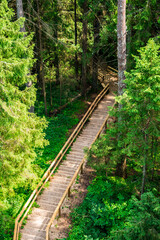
(143, 220)
(105, 207)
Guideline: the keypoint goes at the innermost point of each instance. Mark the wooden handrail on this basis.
(72, 181)
(112, 69)
(54, 164)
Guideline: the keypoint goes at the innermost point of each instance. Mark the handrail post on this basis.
(69, 191)
(15, 230)
(59, 211)
(82, 168)
(47, 234)
(49, 172)
(105, 126)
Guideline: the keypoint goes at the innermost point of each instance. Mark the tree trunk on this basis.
(129, 41)
(20, 13)
(121, 168)
(154, 155)
(75, 24)
(50, 86)
(121, 37)
(144, 177)
(40, 67)
(84, 48)
(96, 29)
(144, 165)
(56, 58)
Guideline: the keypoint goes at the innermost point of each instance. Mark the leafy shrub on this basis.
(143, 220)
(105, 207)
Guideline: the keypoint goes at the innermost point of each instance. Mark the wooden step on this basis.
(30, 237)
(59, 184)
(37, 222)
(34, 232)
(50, 201)
(51, 194)
(41, 212)
(67, 164)
(48, 207)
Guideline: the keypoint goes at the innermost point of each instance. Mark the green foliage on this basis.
(57, 132)
(135, 136)
(21, 132)
(142, 24)
(109, 211)
(104, 208)
(142, 221)
(140, 114)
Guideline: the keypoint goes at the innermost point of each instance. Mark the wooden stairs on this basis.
(62, 173)
(35, 228)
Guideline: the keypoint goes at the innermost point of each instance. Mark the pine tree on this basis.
(138, 141)
(21, 132)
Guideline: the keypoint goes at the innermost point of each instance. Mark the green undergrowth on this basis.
(112, 211)
(57, 133)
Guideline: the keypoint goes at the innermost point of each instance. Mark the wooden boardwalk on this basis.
(37, 221)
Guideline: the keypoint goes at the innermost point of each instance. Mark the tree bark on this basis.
(121, 37)
(121, 168)
(40, 66)
(129, 40)
(75, 25)
(50, 88)
(84, 48)
(96, 30)
(20, 13)
(121, 50)
(56, 58)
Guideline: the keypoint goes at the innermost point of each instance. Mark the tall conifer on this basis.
(20, 131)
